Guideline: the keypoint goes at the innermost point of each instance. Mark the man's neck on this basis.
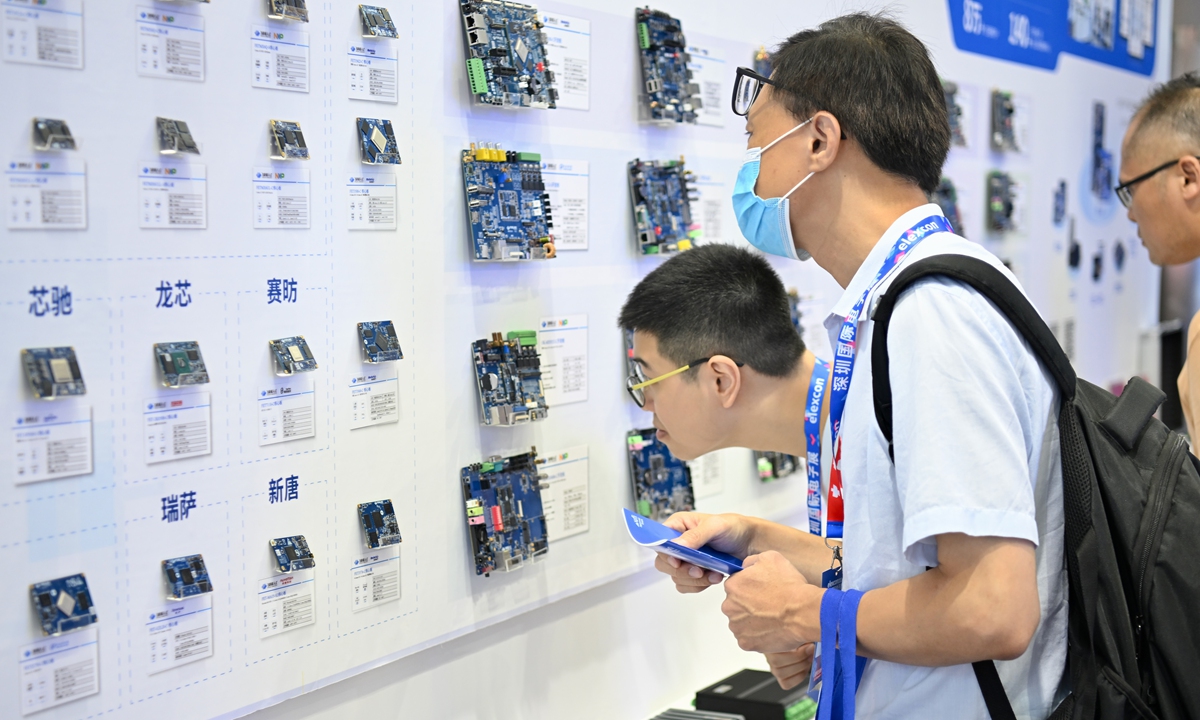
(858, 213)
(773, 416)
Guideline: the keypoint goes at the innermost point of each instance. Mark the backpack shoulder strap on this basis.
(992, 284)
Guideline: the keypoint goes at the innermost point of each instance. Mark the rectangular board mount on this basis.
(52, 372)
(508, 209)
(662, 484)
(506, 55)
(505, 520)
(180, 363)
(292, 553)
(508, 376)
(669, 95)
(379, 523)
(63, 605)
(661, 198)
(186, 577)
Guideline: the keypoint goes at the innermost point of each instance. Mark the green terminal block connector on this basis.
(529, 157)
(528, 338)
(477, 76)
(643, 36)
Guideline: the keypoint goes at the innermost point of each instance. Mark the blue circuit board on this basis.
(946, 197)
(379, 523)
(508, 209)
(186, 577)
(505, 520)
(506, 55)
(292, 355)
(662, 484)
(670, 95)
(63, 605)
(508, 375)
(1102, 160)
(180, 363)
(377, 22)
(774, 465)
(292, 553)
(1001, 192)
(661, 198)
(53, 372)
(954, 111)
(762, 62)
(377, 142)
(1004, 131)
(379, 342)
(1060, 202)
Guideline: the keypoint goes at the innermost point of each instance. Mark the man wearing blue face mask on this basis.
(956, 545)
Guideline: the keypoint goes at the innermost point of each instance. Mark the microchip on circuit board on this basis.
(180, 363)
(287, 141)
(379, 342)
(506, 55)
(377, 141)
(63, 604)
(174, 137)
(377, 22)
(662, 484)
(661, 197)
(508, 208)
(505, 519)
(379, 523)
(292, 355)
(49, 134)
(287, 10)
(292, 553)
(53, 372)
(186, 577)
(669, 94)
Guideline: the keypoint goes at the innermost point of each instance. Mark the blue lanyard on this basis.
(843, 360)
(842, 669)
(812, 442)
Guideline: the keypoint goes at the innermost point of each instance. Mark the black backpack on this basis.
(1131, 495)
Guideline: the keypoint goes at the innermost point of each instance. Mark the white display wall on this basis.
(132, 283)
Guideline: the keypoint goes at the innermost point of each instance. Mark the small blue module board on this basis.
(53, 372)
(506, 55)
(774, 465)
(379, 523)
(180, 363)
(508, 375)
(292, 553)
(186, 577)
(508, 209)
(670, 95)
(63, 605)
(662, 484)
(379, 342)
(662, 206)
(504, 512)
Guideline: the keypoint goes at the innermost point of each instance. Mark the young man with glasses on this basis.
(1161, 157)
(957, 543)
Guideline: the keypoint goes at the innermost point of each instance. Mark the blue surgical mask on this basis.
(765, 222)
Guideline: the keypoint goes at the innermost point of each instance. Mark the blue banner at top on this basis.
(1119, 33)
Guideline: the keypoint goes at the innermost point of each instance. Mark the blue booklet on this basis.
(659, 537)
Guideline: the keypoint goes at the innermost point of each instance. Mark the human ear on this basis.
(826, 141)
(727, 379)
(1190, 167)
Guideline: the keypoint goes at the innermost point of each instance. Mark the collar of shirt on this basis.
(865, 274)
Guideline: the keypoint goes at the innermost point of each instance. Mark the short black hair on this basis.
(717, 299)
(877, 79)
(1172, 106)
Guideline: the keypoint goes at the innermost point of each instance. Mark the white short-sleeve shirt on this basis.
(977, 452)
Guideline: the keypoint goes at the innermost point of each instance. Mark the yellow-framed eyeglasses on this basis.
(636, 383)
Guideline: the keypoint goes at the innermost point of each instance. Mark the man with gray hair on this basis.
(1160, 187)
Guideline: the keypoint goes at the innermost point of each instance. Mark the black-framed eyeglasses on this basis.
(746, 87)
(1124, 191)
(636, 383)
